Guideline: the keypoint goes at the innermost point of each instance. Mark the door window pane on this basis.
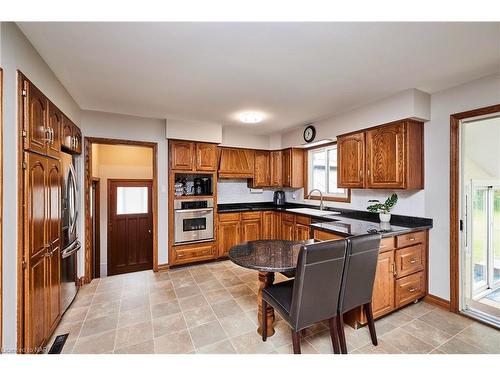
(496, 236)
(131, 200)
(479, 236)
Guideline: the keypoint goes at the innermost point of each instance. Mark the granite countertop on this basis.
(347, 223)
(268, 256)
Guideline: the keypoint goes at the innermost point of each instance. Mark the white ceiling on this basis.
(294, 72)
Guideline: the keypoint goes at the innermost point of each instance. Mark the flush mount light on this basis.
(251, 117)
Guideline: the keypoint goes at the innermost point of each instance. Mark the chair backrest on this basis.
(317, 284)
(359, 271)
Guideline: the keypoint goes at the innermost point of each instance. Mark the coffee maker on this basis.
(279, 198)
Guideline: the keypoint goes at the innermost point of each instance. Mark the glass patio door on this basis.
(483, 238)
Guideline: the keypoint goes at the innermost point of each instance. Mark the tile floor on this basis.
(212, 308)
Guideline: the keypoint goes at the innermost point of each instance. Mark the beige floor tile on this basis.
(96, 344)
(168, 324)
(133, 335)
(194, 302)
(198, 316)
(235, 325)
(231, 281)
(161, 285)
(248, 302)
(107, 296)
(73, 329)
(163, 309)
(217, 296)
(356, 338)
(82, 300)
(174, 343)
(457, 346)
(426, 333)
(68, 347)
(97, 325)
(221, 347)
(134, 316)
(210, 286)
(397, 318)
(226, 308)
(240, 291)
(162, 296)
(321, 342)
(147, 347)
(207, 334)
(407, 343)
(305, 348)
(179, 273)
(202, 278)
(251, 343)
(75, 314)
(187, 291)
(443, 320)
(382, 348)
(318, 327)
(134, 302)
(482, 336)
(416, 310)
(98, 310)
(183, 282)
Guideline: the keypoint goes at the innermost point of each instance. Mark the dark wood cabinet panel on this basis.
(351, 160)
(229, 235)
(67, 133)
(236, 163)
(181, 155)
(262, 169)
(206, 157)
(36, 327)
(54, 131)
(193, 253)
(35, 119)
(267, 225)
(276, 165)
(385, 157)
(302, 232)
(276, 226)
(287, 231)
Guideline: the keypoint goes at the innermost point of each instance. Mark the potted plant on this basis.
(383, 209)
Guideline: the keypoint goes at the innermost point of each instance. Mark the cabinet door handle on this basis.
(412, 289)
(413, 261)
(47, 134)
(412, 239)
(394, 269)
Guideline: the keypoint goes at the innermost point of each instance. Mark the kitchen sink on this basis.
(313, 212)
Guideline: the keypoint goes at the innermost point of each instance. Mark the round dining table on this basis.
(267, 257)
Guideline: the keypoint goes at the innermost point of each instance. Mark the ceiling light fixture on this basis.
(251, 117)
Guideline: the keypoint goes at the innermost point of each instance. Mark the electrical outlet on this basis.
(293, 196)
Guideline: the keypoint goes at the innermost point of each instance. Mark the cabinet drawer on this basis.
(192, 253)
(251, 215)
(304, 220)
(410, 238)
(288, 217)
(326, 236)
(233, 216)
(409, 288)
(409, 260)
(386, 244)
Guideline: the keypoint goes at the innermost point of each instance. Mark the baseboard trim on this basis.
(438, 301)
(163, 267)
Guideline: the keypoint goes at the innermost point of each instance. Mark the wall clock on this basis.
(309, 133)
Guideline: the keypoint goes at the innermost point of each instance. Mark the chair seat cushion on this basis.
(279, 296)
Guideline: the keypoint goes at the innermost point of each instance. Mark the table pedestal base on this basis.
(265, 279)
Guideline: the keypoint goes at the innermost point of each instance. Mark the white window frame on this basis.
(338, 197)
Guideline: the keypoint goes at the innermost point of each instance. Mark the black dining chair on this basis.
(357, 282)
(313, 295)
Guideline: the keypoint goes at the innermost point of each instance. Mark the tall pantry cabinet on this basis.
(40, 126)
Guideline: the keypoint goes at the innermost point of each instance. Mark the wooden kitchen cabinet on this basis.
(383, 286)
(206, 157)
(55, 120)
(181, 155)
(229, 234)
(71, 139)
(392, 159)
(195, 252)
(276, 166)
(42, 249)
(251, 230)
(302, 232)
(287, 231)
(262, 169)
(267, 225)
(236, 162)
(36, 129)
(351, 160)
(293, 168)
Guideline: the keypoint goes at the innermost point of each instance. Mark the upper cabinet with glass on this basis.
(389, 156)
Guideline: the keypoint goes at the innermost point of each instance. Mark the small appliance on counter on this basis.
(192, 184)
(279, 198)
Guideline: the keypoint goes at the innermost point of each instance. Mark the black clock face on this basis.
(309, 133)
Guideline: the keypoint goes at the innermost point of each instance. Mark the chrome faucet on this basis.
(320, 197)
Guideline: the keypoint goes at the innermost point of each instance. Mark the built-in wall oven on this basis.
(193, 220)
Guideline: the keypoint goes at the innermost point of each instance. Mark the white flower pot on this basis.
(384, 218)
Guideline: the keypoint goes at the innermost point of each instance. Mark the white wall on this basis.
(194, 130)
(18, 54)
(108, 125)
(236, 137)
(117, 162)
(476, 94)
